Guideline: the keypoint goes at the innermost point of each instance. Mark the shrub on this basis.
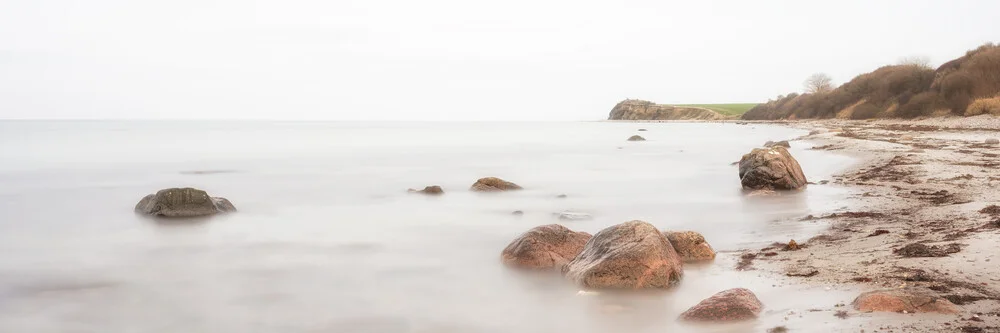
(865, 111)
(984, 106)
(922, 104)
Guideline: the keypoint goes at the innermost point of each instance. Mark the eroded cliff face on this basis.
(634, 109)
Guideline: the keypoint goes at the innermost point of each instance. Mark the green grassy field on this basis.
(733, 109)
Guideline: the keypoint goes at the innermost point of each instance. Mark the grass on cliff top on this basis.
(732, 109)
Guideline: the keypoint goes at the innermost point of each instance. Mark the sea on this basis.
(327, 238)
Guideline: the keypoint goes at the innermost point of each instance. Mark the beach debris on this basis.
(992, 141)
(690, 246)
(900, 300)
(878, 232)
(792, 246)
(746, 261)
(630, 255)
(429, 190)
(777, 329)
(636, 138)
(920, 250)
(990, 210)
(738, 304)
(801, 271)
(544, 247)
(493, 184)
(841, 314)
(183, 202)
(771, 168)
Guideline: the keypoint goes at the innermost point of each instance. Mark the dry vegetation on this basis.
(969, 85)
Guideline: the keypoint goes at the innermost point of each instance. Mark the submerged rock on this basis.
(690, 246)
(431, 190)
(631, 255)
(573, 216)
(493, 184)
(544, 247)
(782, 143)
(636, 138)
(737, 304)
(900, 300)
(771, 168)
(183, 202)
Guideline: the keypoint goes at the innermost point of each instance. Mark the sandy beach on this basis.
(925, 182)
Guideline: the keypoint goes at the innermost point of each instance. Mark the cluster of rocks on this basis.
(630, 255)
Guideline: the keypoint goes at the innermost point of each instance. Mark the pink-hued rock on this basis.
(737, 304)
(549, 246)
(900, 300)
(631, 255)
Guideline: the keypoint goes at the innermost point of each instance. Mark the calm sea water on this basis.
(328, 240)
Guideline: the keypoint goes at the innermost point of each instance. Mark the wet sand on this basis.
(928, 182)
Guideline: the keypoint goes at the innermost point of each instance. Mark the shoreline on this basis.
(915, 181)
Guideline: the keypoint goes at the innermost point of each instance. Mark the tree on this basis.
(920, 61)
(819, 83)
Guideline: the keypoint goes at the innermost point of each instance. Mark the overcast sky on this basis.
(448, 59)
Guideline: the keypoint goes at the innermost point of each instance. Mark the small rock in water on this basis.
(573, 216)
(183, 202)
(562, 196)
(517, 212)
(782, 143)
(636, 138)
(493, 184)
(429, 190)
(642, 130)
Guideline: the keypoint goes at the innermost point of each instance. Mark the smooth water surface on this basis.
(328, 240)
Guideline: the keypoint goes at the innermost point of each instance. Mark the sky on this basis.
(448, 60)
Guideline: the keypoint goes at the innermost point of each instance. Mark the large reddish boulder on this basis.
(544, 247)
(902, 300)
(690, 246)
(493, 184)
(631, 255)
(772, 169)
(737, 304)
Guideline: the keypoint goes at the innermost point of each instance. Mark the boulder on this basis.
(782, 143)
(737, 304)
(183, 202)
(902, 300)
(992, 141)
(631, 255)
(493, 184)
(772, 169)
(690, 246)
(544, 247)
(430, 190)
(636, 138)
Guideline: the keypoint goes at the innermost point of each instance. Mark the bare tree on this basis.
(920, 61)
(819, 83)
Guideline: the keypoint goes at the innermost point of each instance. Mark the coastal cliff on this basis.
(634, 109)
